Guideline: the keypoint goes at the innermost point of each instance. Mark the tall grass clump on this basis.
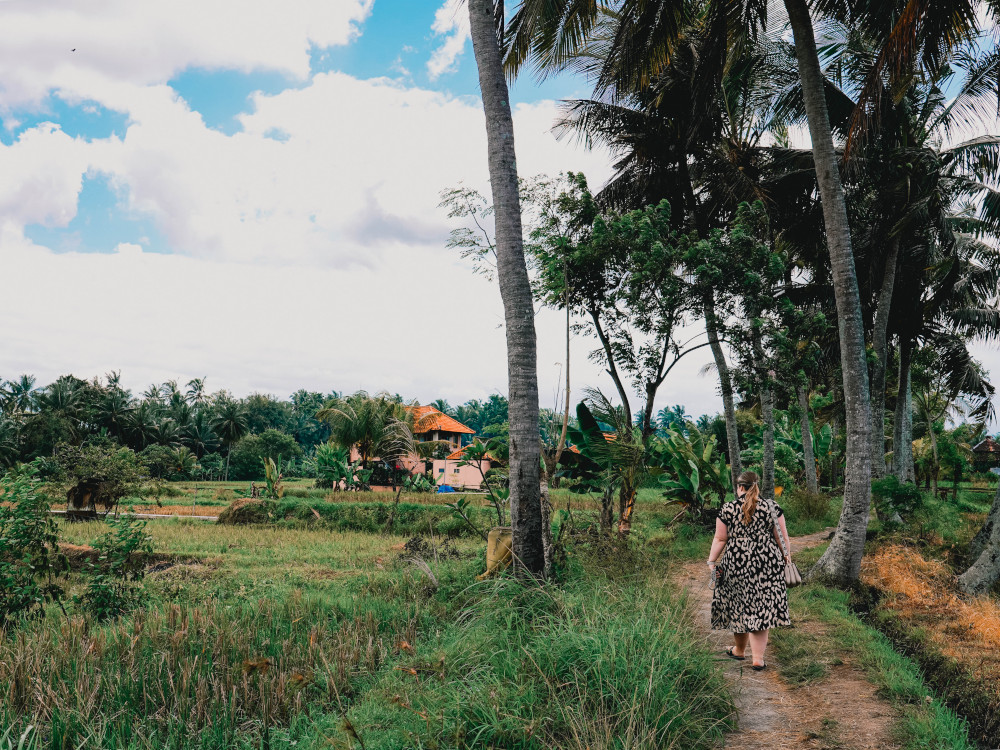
(595, 664)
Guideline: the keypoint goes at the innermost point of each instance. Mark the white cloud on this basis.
(340, 172)
(422, 326)
(452, 22)
(146, 43)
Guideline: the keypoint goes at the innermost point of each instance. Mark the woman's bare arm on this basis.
(718, 542)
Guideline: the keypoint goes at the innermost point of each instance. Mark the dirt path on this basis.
(839, 712)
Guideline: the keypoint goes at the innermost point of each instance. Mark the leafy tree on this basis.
(100, 474)
(249, 454)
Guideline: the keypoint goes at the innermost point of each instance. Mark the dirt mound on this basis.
(247, 511)
(78, 555)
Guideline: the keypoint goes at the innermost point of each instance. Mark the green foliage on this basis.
(892, 496)
(118, 471)
(333, 465)
(115, 585)
(419, 483)
(805, 505)
(407, 518)
(695, 472)
(272, 478)
(29, 552)
(249, 454)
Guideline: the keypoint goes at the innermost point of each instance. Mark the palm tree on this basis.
(376, 426)
(114, 410)
(18, 396)
(199, 435)
(646, 38)
(231, 423)
(196, 391)
(140, 429)
(487, 22)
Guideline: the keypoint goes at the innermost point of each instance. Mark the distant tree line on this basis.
(184, 431)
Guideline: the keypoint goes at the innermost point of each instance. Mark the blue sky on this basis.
(395, 41)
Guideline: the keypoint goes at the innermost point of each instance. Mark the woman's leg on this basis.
(758, 645)
(740, 639)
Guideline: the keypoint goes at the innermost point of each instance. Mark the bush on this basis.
(115, 586)
(892, 496)
(805, 505)
(29, 550)
(247, 511)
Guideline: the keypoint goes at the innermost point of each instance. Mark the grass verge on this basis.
(807, 653)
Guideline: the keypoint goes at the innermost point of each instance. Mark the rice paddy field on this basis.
(302, 635)
(350, 622)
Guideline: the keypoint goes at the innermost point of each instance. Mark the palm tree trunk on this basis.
(228, 454)
(726, 386)
(880, 345)
(767, 411)
(985, 571)
(522, 373)
(842, 559)
(809, 458)
(902, 432)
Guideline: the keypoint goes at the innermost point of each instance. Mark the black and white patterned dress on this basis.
(750, 594)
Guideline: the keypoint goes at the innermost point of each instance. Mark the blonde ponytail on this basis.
(750, 480)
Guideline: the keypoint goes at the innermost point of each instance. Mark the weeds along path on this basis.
(839, 711)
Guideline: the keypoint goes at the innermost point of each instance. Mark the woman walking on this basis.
(750, 596)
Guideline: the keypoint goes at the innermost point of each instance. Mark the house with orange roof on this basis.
(431, 424)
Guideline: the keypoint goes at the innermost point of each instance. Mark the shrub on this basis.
(29, 556)
(115, 586)
(805, 505)
(892, 496)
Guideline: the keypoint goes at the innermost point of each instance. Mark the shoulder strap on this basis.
(777, 526)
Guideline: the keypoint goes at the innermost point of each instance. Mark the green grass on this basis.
(925, 723)
(269, 636)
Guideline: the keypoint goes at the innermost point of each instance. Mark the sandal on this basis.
(731, 655)
(761, 668)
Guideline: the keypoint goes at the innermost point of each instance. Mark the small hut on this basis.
(986, 455)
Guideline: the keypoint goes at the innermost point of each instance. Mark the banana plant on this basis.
(692, 470)
(272, 478)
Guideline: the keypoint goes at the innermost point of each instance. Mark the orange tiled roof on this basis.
(460, 454)
(429, 419)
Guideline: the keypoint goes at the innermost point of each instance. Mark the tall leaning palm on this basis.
(486, 19)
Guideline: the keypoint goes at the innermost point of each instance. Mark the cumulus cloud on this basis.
(42, 49)
(451, 22)
(306, 250)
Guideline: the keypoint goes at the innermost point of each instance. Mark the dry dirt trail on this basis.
(839, 712)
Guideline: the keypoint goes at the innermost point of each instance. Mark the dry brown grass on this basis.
(924, 593)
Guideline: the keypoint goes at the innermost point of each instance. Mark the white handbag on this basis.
(792, 576)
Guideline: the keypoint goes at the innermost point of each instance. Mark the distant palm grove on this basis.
(183, 432)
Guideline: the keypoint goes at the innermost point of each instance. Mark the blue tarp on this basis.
(446, 488)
